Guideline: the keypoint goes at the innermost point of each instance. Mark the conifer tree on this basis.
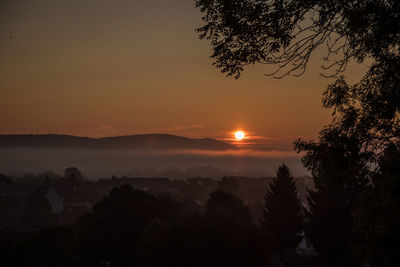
(282, 220)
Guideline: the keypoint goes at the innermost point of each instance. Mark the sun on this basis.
(239, 135)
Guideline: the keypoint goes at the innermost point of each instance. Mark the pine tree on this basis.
(282, 220)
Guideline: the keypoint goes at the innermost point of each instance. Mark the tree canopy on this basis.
(285, 33)
(350, 158)
(282, 220)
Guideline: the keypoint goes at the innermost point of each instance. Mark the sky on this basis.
(107, 68)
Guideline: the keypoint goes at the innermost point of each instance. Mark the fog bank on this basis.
(148, 163)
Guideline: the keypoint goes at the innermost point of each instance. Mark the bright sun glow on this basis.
(239, 135)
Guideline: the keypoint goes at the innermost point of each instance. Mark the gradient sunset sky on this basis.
(105, 68)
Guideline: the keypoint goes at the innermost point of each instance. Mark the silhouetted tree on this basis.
(366, 115)
(37, 213)
(285, 33)
(168, 240)
(129, 227)
(73, 175)
(229, 236)
(377, 219)
(45, 247)
(10, 207)
(369, 111)
(5, 181)
(10, 211)
(110, 232)
(340, 176)
(225, 207)
(282, 220)
(230, 185)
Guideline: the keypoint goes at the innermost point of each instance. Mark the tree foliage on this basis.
(282, 220)
(368, 110)
(377, 219)
(347, 159)
(37, 213)
(285, 33)
(226, 208)
(110, 232)
(340, 174)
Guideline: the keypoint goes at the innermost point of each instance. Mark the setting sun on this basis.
(239, 135)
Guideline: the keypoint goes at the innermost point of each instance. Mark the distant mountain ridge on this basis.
(130, 142)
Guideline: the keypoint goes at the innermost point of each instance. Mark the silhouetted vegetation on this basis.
(131, 227)
(339, 179)
(282, 219)
(352, 218)
(37, 213)
(377, 218)
(285, 33)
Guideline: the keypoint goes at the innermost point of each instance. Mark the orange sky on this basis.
(104, 68)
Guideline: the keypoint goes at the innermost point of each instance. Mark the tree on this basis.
(73, 175)
(340, 176)
(225, 207)
(10, 207)
(366, 115)
(110, 232)
(5, 181)
(282, 220)
(377, 218)
(368, 110)
(124, 226)
(228, 235)
(10, 211)
(221, 236)
(285, 33)
(37, 213)
(229, 185)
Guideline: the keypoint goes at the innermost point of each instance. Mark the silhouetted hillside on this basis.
(145, 141)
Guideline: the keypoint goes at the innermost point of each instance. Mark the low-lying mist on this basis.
(177, 164)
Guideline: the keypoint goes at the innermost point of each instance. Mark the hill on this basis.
(130, 142)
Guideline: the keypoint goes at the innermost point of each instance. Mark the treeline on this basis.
(129, 227)
(347, 221)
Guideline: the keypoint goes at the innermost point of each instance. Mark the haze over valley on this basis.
(139, 156)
